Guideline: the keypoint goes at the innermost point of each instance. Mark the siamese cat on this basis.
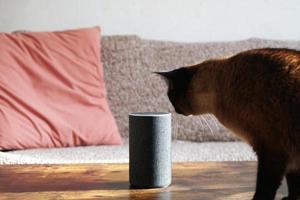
(256, 94)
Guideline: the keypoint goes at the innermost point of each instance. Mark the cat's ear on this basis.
(176, 73)
(166, 75)
(182, 75)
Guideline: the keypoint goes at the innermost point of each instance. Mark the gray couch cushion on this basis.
(129, 61)
(181, 151)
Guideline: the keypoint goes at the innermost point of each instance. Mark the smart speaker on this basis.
(150, 164)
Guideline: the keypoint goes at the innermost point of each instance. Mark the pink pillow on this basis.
(52, 92)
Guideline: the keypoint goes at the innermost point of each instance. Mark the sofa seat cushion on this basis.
(181, 151)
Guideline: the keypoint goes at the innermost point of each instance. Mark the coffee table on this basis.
(202, 180)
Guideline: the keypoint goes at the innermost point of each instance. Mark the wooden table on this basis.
(207, 180)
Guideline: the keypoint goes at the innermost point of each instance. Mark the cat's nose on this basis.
(177, 110)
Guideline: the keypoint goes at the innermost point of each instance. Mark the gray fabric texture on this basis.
(182, 151)
(132, 87)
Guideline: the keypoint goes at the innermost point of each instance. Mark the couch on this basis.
(131, 87)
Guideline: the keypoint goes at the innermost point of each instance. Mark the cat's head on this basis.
(179, 81)
(189, 90)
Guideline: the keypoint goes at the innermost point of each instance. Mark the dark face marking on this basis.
(178, 81)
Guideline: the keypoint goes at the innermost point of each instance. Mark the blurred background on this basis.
(174, 20)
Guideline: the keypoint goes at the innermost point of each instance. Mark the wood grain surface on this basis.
(191, 181)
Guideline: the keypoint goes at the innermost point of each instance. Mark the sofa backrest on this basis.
(132, 87)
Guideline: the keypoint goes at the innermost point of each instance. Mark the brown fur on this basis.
(256, 94)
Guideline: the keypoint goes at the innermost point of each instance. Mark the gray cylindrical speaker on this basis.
(150, 164)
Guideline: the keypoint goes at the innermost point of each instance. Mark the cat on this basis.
(256, 94)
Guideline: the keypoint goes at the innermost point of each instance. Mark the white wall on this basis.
(181, 20)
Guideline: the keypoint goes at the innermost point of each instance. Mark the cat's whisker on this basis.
(207, 124)
(214, 121)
